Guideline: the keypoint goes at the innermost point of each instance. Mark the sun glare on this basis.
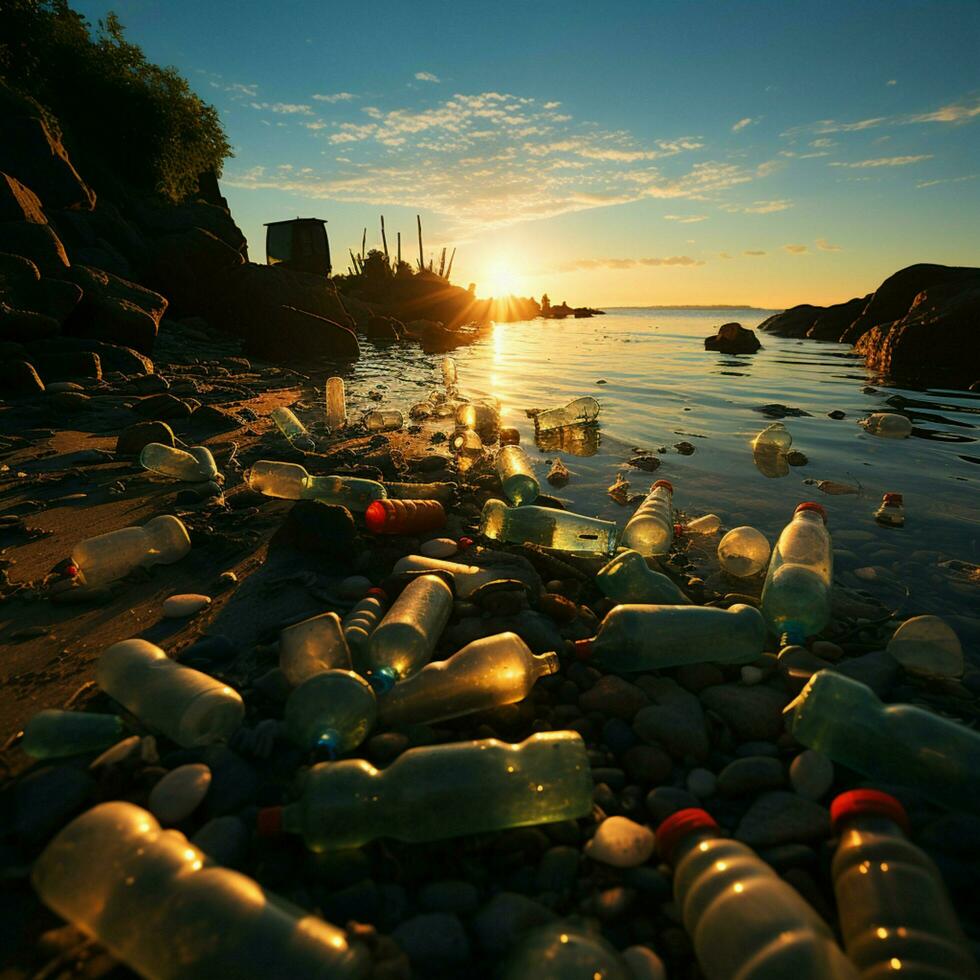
(500, 280)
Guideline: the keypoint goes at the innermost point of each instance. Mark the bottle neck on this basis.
(793, 635)
(871, 823)
(383, 679)
(689, 844)
(544, 664)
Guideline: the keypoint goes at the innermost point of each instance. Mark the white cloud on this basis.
(892, 81)
(686, 219)
(796, 249)
(316, 124)
(946, 180)
(823, 142)
(724, 255)
(426, 76)
(551, 105)
(955, 112)
(673, 260)
(742, 123)
(758, 207)
(884, 162)
(335, 97)
(284, 108)
(825, 246)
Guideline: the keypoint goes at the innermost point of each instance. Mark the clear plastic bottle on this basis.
(894, 743)
(449, 373)
(405, 639)
(517, 478)
(891, 513)
(650, 531)
(362, 621)
(636, 638)
(708, 524)
(771, 464)
(290, 481)
(628, 578)
(333, 711)
(336, 403)
(475, 415)
(384, 421)
(53, 734)
(443, 492)
(743, 552)
(744, 921)
(404, 516)
(560, 951)
(796, 596)
(294, 430)
(196, 466)
(466, 578)
(895, 914)
(484, 674)
(440, 791)
(108, 557)
(313, 646)
(160, 906)
(187, 706)
(467, 443)
(550, 528)
(775, 438)
(579, 411)
(888, 425)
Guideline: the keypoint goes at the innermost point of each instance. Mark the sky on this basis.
(619, 154)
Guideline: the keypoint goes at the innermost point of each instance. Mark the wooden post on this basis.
(418, 218)
(451, 257)
(364, 244)
(384, 240)
(399, 248)
(442, 262)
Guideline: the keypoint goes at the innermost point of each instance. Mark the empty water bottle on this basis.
(743, 552)
(160, 906)
(313, 646)
(384, 421)
(475, 415)
(650, 531)
(294, 430)
(708, 524)
(440, 791)
(895, 743)
(549, 528)
(486, 673)
(108, 557)
(579, 411)
(896, 917)
(336, 403)
(775, 438)
(888, 425)
(187, 706)
(362, 621)
(467, 443)
(290, 481)
(196, 466)
(333, 711)
(404, 516)
(53, 734)
(466, 578)
(449, 375)
(405, 639)
(796, 596)
(891, 513)
(516, 473)
(443, 492)
(744, 921)
(629, 579)
(635, 638)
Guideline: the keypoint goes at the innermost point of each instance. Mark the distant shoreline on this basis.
(710, 306)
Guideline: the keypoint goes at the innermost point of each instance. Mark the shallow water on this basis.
(662, 387)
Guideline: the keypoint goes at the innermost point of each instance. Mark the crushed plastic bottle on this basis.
(293, 430)
(108, 557)
(709, 524)
(404, 516)
(517, 478)
(796, 596)
(770, 464)
(579, 411)
(891, 513)
(485, 419)
(887, 425)
(561, 951)
(290, 481)
(650, 531)
(744, 921)
(549, 528)
(362, 621)
(449, 373)
(635, 638)
(486, 673)
(466, 578)
(775, 438)
(187, 706)
(333, 711)
(53, 734)
(443, 492)
(440, 791)
(160, 906)
(467, 443)
(895, 743)
(896, 917)
(313, 646)
(743, 552)
(195, 466)
(336, 403)
(384, 421)
(629, 579)
(927, 646)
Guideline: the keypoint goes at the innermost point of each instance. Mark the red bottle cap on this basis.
(664, 483)
(464, 543)
(892, 498)
(71, 571)
(680, 825)
(376, 516)
(269, 821)
(583, 649)
(377, 593)
(857, 802)
(813, 505)
(680, 530)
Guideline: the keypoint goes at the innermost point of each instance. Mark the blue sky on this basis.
(626, 153)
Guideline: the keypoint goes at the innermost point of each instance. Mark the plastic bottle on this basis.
(160, 906)
(53, 734)
(775, 438)
(743, 552)
(290, 481)
(637, 638)
(187, 706)
(484, 674)
(195, 466)
(895, 915)
(560, 951)
(888, 425)
(362, 621)
(550, 528)
(108, 557)
(891, 513)
(466, 578)
(628, 578)
(517, 478)
(474, 415)
(709, 524)
(404, 516)
(650, 531)
(384, 421)
(449, 374)
(744, 921)
(406, 638)
(467, 443)
(577, 412)
(294, 430)
(443, 492)
(336, 403)
(313, 646)
(440, 791)
(333, 711)
(796, 596)
(894, 743)
(772, 465)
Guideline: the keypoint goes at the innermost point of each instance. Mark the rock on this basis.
(133, 438)
(380, 328)
(878, 670)
(752, 675)
(833, 321)
(794, 322)
(39, 243)
(179, 793)
(779, 817)
(620, 842)
(812, 774)
(433, 940)
(797, 665)
(777, 411)
(733, 338)
(675, 720)
(461, 897)
(315, 526)
(19, 379)
(826, 649)
(505, 918)
(558, 870)
(355, 587)
(439, 548)
(751, 775)
(234, 783)
(647, 764)
(46, 799)
(797, 458)
(68, 366)
(644, 964)
(752, 713)
(224, 840)
(386, 747)
(217, 649)
(696, 677)
(927, 646)
(612, 695)
(123, 751)
(163, 406)
(559, 474)
(19, 203)
(305, 334)
(701, 783)
(685, 448)
(648, 463)
(665, 800)
(180, 606)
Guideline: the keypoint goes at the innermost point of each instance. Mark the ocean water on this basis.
(658, 386)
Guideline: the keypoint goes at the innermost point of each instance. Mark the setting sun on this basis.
(500, 280)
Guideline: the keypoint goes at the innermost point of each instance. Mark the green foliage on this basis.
(121, 116)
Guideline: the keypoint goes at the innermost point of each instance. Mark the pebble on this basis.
(647, 764)
(751, 712)
(878, 670)
(224, 840)
(128, 748)
(461, 897)
(615, 696)
(675, 720)
(180, 606)
(621, 842)
(665, 800)
(505, 918)
(752, 675)
(701, 783)
(226, 579)
(56, 386)
(746, 777)
(439, 548)
(179, 793)
(435, 940)
(355, 587)
(558, 870)
(796, 458)
(46, 799)
(644, 964)
(779, 817)
(926, 645)
(812, 774)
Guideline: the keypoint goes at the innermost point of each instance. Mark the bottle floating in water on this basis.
(484, 674)
(638, 638)
(896, 917)
(579, 411)
(336, 403)
(743, 552)
(196, 466)
(891, 513)
(576, 440)
(628, 579)
(516, 473)
(160, 906)
(443, 492)
(709, 524)
(440, 791)
(475, 415)
(404, 516)
(187, 706)
(384, 421)
(290, 481)
(743, 919)
(550, 528)
(313, 646)
(466, 578)
(53, 734)
(467, 443)
(796, 596)
(449, 373)
(108, 557)
(406, 638)
(775, 438)
(294, 430)
(888, 425)
(650, 531)
(362, 621)
(333, 711)
(895, 743)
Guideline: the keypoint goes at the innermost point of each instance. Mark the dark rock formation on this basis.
(834, 320)
(733, 338)
(298, 333)
(794, 322)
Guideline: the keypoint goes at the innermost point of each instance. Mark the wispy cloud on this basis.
(426, 76)
(825, 246)
(758, 207)
(686, 219)
(947, 180)
(335, 97)
(673, 260)
(954, 113)
(883, 162)
(754, 251)
(742, 123)
(892, 81)
(796, 249)
(284, 108)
